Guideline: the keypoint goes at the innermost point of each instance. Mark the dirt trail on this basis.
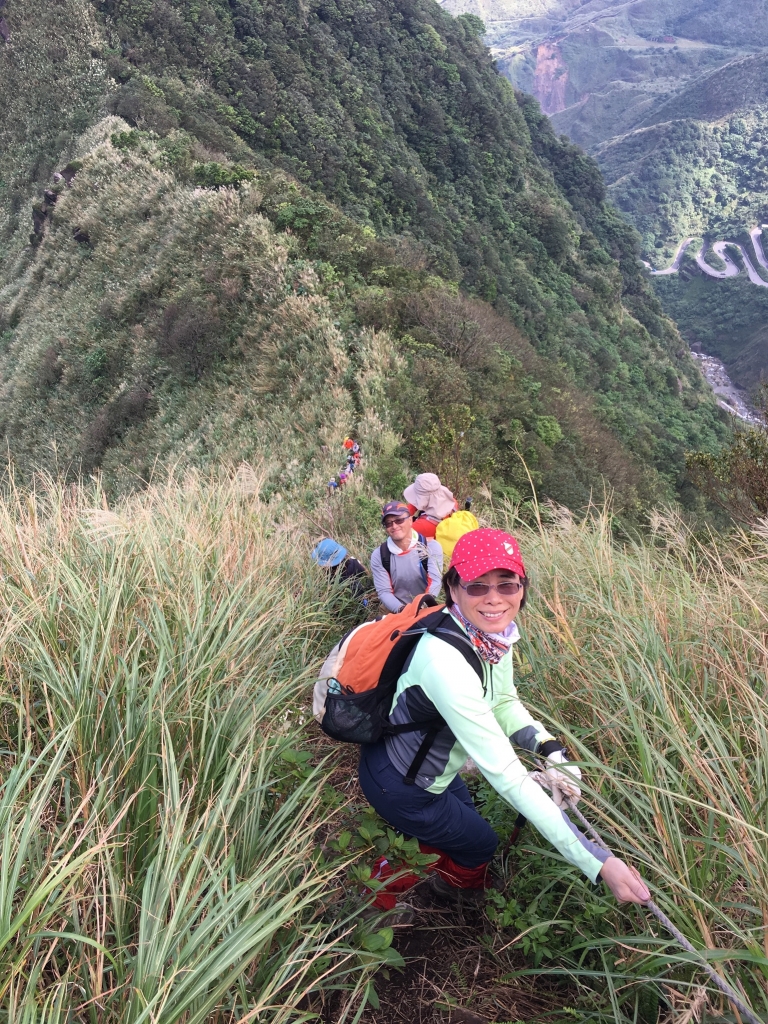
(452, 975)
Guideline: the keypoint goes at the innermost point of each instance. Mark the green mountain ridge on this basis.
(738, 85)
(283, 224)
(605, 74)
(671, 98)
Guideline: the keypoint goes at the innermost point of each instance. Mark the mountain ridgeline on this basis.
(274, 222)
(671, 99)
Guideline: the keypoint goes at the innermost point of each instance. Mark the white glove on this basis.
(565, 786)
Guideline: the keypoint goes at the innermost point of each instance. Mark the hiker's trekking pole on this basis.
(728, 991)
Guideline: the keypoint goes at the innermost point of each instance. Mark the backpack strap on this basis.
(426, 744)
(444, 626)
(451, 633)
(386, 558)
(424, 559)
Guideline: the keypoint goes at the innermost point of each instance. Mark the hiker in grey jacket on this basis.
(406, 564)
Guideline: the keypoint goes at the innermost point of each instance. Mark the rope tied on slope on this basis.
(728, 991)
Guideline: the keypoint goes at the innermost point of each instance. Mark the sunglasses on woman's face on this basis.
(506, 589)
(396, 522)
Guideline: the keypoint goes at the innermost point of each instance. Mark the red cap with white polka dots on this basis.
(481, 551)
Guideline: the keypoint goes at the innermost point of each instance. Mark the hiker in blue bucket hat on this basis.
(338, 562)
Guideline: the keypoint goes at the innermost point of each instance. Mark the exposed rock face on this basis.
(71, 170)
(550, 78)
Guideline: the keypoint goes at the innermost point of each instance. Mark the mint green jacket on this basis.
(483, 720)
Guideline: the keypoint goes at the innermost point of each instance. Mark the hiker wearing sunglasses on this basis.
(466, 716)
(406, 564)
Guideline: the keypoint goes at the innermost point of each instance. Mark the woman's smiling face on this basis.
(492, 612)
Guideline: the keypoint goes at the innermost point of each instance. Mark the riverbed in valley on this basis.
(729, 397)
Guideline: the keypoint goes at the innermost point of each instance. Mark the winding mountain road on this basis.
(731, 268)
(756, 234)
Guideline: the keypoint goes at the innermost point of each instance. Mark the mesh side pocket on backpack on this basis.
(356, 717)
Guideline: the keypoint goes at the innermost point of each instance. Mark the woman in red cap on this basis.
(481, 718)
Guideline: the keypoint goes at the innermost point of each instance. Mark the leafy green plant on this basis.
(215, 175)
(546, 903)
(127, 140)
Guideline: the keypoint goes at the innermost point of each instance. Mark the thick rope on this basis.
(728, 991)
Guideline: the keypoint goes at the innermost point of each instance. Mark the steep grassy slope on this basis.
(54, 84)
(164, 798)
(160, 827)
(172, 305)
(173, 332)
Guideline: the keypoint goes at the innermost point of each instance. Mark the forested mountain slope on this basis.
(670, 96)
(699, 164)
(276, 221)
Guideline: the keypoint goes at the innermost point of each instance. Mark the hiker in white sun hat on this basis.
(430, 502)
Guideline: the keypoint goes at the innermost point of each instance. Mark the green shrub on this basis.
(126, 410)
(127, 140)
(51, 367)
(213, 175)
(192, 336)
(549, 430)
(96, 363)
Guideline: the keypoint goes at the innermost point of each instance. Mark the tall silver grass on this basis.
(652, 657)
(157, 851)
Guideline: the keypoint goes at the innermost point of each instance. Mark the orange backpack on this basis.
(353, 696)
